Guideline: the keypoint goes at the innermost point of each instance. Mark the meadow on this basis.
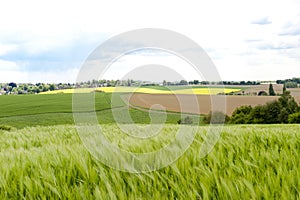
(248, 162)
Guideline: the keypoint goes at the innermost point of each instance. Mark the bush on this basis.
(277, 111)
(241, 115)
(216, 117)
(283, 116)
(294, 118)
(291, 84)
(186, 120)
(5, 128)
(273, 110)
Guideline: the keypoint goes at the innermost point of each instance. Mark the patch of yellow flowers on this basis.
(204, 91)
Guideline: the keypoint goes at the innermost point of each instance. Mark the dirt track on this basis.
(188, 102)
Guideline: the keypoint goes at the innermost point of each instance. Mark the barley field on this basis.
(248, 162)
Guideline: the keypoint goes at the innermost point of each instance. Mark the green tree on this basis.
(287, 101)
(195, 82)
(273, 110)
(257, 115)
(46, 87)
(13, 85)
(271, 90)
(186, 120)
(51, 87)
(25, 87)
(164, 82)
(291, 84)
(278, 111)
(241, 115)
(40, 88)
(283, 116)
(284, 89)
(9, 88)
(20, 91)
(14, 90)
(183, 82)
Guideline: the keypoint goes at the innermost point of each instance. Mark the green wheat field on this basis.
(42, 157)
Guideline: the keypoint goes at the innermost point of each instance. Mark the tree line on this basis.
(29, 88)
(197, 82)
(289, 83)
(281, 111)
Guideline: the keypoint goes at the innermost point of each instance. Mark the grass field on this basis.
(32, 110)
(248, 162)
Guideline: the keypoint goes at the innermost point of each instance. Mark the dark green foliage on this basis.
(283, 116)
(291, 84)
(294, 118)
(13, 85)
(241, 115)
(271, 90)
(52, 87)
(273, 112)
(288, 102)
(284, 89)
(216, 117)
(296, 80)
(257, 115)
(5, 127)
(186, 120)
(183, 82)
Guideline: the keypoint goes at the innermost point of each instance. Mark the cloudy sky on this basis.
(48, 41)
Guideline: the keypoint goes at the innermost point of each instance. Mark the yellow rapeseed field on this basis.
(65, 91)
(204, 91)
(133, 89)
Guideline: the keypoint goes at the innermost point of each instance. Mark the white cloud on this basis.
(8, 65)
(291, 28)
(262, 21)
(128, 67)
(5, 49)
(63, 76)
(223, 27)
(12, 72)
(9, 71)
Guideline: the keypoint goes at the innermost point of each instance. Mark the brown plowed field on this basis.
(188, 105)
